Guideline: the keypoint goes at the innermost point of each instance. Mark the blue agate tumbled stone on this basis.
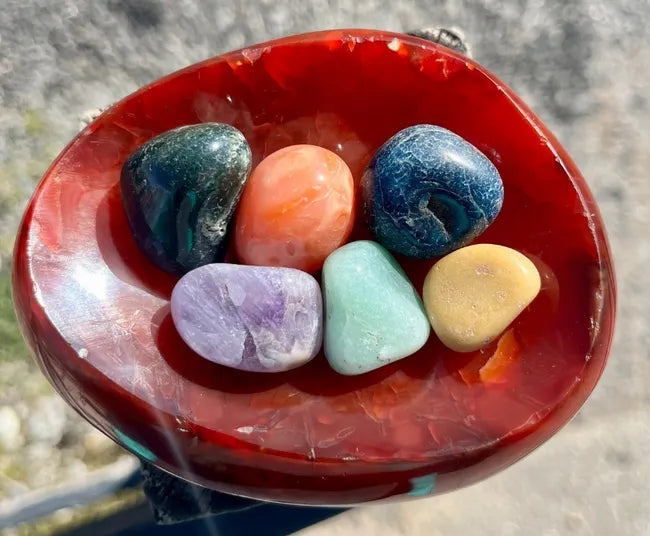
(427, 191)
(180, 191)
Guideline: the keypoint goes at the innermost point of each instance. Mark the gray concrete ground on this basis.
(584, 67)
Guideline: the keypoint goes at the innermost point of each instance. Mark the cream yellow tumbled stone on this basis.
(474, 293)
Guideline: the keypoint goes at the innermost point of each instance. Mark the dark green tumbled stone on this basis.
(180, 191)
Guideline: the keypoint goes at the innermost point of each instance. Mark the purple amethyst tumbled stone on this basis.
(255, 318)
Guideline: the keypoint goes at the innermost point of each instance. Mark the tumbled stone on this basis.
(297, 207)
(260, 319)
(374, 316)
(180, 190)
(427, 191)
(474, 293)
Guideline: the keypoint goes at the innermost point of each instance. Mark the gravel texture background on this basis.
(583, 66)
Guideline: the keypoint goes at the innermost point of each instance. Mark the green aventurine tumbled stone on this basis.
(374, 316)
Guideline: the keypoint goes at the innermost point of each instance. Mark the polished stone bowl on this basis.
(96, 312)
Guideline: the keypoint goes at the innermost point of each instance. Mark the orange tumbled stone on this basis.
(297, 207)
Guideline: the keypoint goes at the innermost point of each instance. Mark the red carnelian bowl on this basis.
(96, 312)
